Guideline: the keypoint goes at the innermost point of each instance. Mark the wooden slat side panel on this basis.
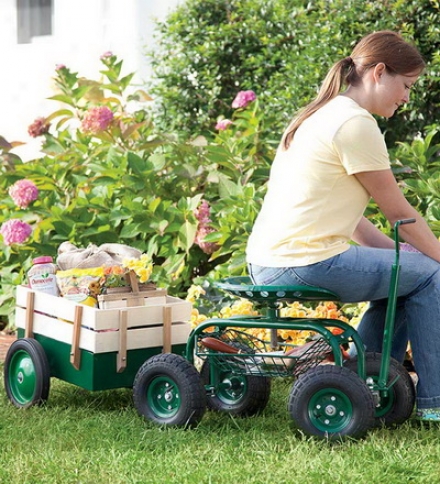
(104, 319)
(103, 341)
(56, 329)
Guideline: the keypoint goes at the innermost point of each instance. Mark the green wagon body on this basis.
(96, 371)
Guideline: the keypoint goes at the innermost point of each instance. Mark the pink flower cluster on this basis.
(23, 192)
(97, 119)
(15, 231)
(223, 124)
(39, 127)
(106, 55)
(243, 98)
(203, 212)
(202, 215)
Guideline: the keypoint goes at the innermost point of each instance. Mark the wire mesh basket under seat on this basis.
(254, 356)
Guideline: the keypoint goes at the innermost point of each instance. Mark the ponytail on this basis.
(342, 73)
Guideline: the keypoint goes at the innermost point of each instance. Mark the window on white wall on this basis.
(34, 19)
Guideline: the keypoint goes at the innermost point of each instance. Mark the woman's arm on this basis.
(383, 188)
(369, 235)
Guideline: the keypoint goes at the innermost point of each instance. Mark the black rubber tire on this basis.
(240, 395)
(398, 406)
(331, 402)
(168, 390)
(26, 373)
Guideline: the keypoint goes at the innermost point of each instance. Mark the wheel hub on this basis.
(22, 377)
(169, 395)
(231, 388)
(163, 397)
(330, 410)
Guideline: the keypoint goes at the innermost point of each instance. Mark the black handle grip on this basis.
(406, 221)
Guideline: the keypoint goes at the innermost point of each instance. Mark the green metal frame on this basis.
(319, 326)
(269, 297)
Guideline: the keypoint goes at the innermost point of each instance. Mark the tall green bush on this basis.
(210, 49)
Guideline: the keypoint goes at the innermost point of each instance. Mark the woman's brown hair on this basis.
(384, 46)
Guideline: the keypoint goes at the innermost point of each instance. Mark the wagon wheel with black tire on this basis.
(26, 373)
(398, 405)
(239, 395)
(331, 402)
(167, 389)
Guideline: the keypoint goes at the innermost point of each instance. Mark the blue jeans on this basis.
(363, 274)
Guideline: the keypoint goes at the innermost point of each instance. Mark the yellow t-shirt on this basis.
(314, 202)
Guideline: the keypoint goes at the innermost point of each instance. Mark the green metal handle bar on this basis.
(391, 310)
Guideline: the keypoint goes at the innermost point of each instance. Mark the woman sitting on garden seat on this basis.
(332, 159)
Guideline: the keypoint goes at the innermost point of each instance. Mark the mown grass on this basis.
(98, 437)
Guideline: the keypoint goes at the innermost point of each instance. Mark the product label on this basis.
(45, 283)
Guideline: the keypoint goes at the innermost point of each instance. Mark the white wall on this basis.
(82, 31)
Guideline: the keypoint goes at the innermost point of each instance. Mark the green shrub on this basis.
(417, 164)
(210, 49)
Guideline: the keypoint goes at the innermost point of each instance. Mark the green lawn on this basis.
(86, 437)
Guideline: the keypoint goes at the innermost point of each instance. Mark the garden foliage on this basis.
(210, 49)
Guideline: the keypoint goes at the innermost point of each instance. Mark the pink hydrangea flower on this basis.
(207, 247)
(202, 212)
(223, 124)
(97, 119)
(243, 98)
(39, 127)
(15, 231)
(23, 192)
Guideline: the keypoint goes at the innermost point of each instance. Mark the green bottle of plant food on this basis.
(41, 275)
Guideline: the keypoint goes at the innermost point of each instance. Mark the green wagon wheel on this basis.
(239, 395)
(332, 402)
(398, 405)
(168, 390)
(26, 373)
